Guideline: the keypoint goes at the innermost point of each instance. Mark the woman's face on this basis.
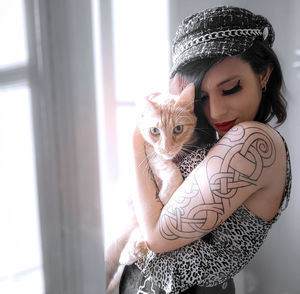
(233, 92)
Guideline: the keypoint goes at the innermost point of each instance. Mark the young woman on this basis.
(220, 216)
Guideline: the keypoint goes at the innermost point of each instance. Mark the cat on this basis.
(167, 123)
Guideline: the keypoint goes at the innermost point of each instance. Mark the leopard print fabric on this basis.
(219, 255)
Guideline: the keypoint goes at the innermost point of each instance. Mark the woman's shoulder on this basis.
(253, 135)
(258, 143)
(262, 149)
(244, 130)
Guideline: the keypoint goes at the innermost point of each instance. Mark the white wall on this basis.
(276, 268)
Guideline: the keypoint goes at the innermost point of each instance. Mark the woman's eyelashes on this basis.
(233, 90)
(204, 97)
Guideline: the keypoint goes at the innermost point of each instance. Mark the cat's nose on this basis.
(168, 153)
(163, 151)
(167, 149)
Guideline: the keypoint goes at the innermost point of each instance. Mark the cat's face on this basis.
(168, 122)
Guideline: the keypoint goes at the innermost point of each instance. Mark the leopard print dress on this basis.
(218, 256)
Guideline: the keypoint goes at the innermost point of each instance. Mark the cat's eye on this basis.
(233, 90)
(178, 129)
(154, 131)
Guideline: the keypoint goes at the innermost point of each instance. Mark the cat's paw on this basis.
(131, 255)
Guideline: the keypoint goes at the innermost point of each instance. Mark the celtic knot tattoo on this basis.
(246, 152)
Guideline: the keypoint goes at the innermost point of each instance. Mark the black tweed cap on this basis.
(220, 31)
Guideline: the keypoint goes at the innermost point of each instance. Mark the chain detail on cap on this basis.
(179, 49)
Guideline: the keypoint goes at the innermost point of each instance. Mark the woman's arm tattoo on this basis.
(246, 153)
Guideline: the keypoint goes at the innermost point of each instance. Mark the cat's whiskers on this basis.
(187, 147)
(149, 157)
(145, 159)
(186, 151)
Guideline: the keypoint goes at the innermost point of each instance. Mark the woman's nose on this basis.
(216, 108)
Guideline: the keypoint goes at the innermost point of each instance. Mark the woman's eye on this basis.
(233, 90)
(154, 131)
(178, 129)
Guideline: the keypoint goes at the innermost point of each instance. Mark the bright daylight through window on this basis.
(140, 57)
(21, 265)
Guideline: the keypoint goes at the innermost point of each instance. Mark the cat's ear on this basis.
(151, 97)
(148, 103)
(186, 98)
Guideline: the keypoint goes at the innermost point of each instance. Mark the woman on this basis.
(220, 216)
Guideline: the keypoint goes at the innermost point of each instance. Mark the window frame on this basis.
(62, 82)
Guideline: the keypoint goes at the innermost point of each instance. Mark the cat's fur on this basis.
(167, 123)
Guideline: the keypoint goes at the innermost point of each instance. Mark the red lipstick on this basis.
(224, 126)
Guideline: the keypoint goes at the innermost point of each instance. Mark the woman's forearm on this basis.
(147, 205)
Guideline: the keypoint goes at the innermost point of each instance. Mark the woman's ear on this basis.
(265, 75)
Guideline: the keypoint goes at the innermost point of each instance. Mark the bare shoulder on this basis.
(257, 127)
(252, 130)
(258, 152)
(258, 146)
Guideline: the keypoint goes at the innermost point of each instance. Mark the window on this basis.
(20, 251)
(48, 150)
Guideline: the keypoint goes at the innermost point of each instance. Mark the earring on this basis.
(264, 89)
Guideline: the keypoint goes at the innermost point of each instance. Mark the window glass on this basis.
(13, 50)
(121, 191)
(141, 47)
(20, 254)
(141, 65)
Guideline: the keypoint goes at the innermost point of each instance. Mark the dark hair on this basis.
(259, 56)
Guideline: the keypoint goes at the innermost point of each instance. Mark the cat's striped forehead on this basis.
(167, 115)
